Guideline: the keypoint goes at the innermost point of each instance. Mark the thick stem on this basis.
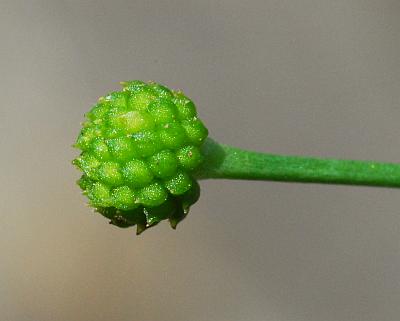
(222, 161)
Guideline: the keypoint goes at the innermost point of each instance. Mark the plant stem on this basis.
(222, 161)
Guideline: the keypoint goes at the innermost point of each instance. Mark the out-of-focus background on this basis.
(303, 77)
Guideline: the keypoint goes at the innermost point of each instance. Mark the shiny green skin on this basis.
(140, 147)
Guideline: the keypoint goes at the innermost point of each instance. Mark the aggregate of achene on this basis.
(139, 147)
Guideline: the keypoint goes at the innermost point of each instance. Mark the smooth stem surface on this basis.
(222, 161)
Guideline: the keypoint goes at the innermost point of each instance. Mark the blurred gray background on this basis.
(298, 77)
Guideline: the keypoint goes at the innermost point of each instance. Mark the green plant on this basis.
(144, 148)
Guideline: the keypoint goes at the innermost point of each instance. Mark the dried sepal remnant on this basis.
(139, 147)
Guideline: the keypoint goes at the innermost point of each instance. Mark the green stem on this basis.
(222, 161)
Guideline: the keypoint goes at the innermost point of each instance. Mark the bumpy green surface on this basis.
(139, 147)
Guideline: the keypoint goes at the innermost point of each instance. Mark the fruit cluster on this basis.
(139, 147)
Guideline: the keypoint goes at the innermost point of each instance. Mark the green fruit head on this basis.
(139, 148)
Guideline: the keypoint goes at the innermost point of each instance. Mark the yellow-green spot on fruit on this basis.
(132, 122)
(153, 195)
(136, 173)
(109, 173)
(163, 164)
(179, 184)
